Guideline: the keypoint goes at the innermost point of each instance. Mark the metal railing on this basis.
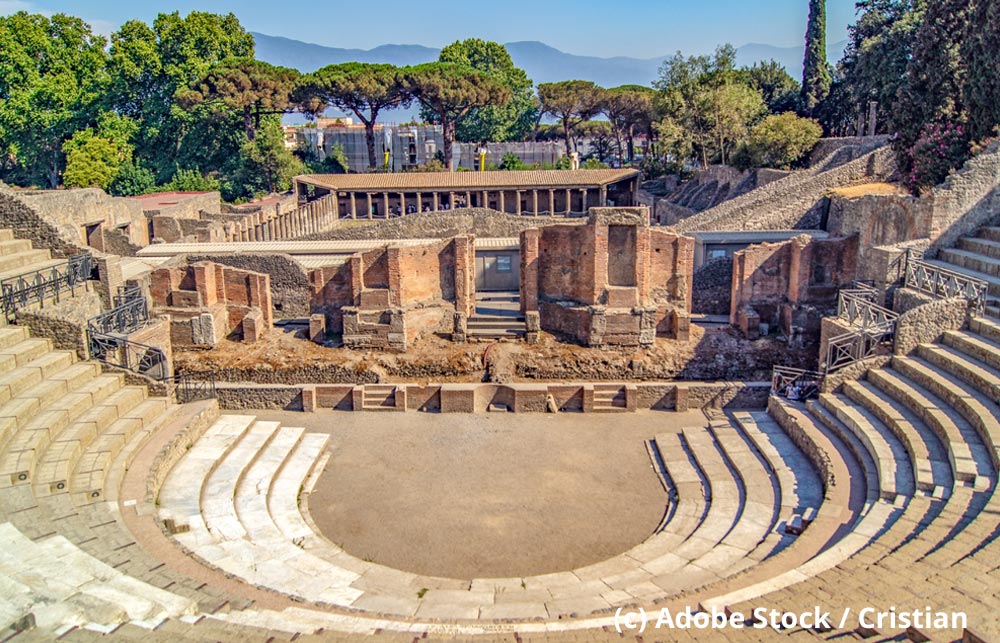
(858, 308)
(36, 286)
(118, 351)
(943, 283)
(795, 383)
(131, 312)
(188, 389)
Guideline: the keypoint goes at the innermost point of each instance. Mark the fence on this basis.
(37, 286)
(794, 383)
(941, 282)
(131, 312)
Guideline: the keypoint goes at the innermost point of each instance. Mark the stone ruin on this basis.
(207, 302)
(612, 282)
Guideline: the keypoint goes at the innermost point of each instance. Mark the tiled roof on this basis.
(310, 248)
(414, 181)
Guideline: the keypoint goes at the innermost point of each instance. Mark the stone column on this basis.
(583, 200)
(569, 201)
(354, 206)
(517, 204)
(500, 202)
(552, 202)
(468, 199)
(402, 204)
(420, 202)
(534, 202)
(368, 198)
(604, 196)
(435, 202)
(486, 199)
(385, 200)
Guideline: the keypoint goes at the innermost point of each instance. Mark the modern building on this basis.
(531, 192)
(411, 146)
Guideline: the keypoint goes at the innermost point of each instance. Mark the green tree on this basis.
(510, 122)
(92, 161)
(572, 102)
(452, 91)
(779, 141)
(52, 77)
(149, 64)
(981, 50)
(132, 180)
(362, 89)
(879, 48)
(630, 109)
(779, 90)
(707, 107)
(815, 72)
(931, 92)
(252, 87)
(264, 165)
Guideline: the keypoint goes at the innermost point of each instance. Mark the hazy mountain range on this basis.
(542, 63)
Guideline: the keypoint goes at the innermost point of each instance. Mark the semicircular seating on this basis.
(882, 494)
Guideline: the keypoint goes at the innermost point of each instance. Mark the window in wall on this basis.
(503, 263)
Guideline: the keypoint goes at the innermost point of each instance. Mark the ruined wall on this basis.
(711, 287)
(28, 223)
(613, 281)
(926, 323)
(207, 301)
(180, 205)
(790, 285)
(71, 210)
(290, 283)
(797, 201)
(330, 289)
(967, 200)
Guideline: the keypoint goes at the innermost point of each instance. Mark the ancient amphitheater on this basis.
(140, 500)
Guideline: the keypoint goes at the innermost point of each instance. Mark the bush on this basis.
(593, 164)
(940, 149)
(132, 180)
(779, 141)
(511, 162)
(191, 181)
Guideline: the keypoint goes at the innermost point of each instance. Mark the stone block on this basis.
(532, 321)
(185, 299)
(317, 328)
(621, 297)
(253, 325)
(375, 298)
(458, 398)
(308, 399)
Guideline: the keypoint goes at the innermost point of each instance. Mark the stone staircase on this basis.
(379, 397)
(67, 562)
(609, 398)
(926, 431)
(977, 257)
(496, 327)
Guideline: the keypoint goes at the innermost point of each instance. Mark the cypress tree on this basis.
(981, 51)
(815, 73)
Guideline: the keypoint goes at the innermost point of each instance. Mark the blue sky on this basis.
(639, 28)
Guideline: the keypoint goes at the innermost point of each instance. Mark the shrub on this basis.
(940, 149)
(780, 141)
(511, 162)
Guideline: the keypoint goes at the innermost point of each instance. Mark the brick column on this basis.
(529, 269)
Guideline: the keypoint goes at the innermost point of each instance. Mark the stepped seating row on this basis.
(234, 501)
(977, 257)
(65, 427)
(927, 428)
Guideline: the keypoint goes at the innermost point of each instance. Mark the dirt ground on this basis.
(282, 357)
(492, 495)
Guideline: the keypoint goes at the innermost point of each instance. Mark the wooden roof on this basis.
(462, 181)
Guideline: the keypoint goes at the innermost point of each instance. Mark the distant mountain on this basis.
(543, 63)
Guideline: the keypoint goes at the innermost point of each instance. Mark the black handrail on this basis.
(38, 285)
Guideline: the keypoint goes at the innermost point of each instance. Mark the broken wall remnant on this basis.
(614, 281)
(207, 302)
